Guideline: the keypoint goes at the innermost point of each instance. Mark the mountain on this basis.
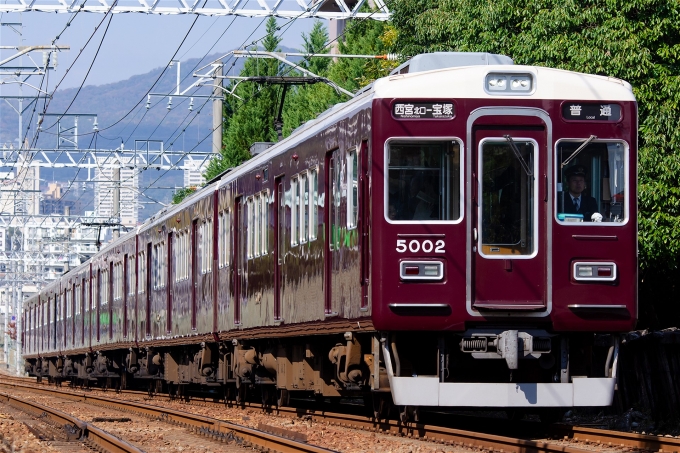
(122, 117)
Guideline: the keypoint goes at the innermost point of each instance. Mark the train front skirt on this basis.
(429, 391)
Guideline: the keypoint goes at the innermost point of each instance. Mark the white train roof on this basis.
(469, 82)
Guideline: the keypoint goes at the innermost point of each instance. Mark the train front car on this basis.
(504, 241)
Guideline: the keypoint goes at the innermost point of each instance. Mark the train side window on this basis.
(104, 288)
(141, 265)
(86, 296)
(117, 281)
(294, 211)
(592, 182)
(158, 265)
(264, 222)
(95, 291)
(313, 203)
(304, 213)
(131, 276)
(177, 256)
(206, 245)
(78, 298)
(224, 221)
(352, 189)
(186, 253)
(68, 304)
(424, 181)
(249, 228)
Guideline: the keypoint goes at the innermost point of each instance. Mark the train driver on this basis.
(575, 201)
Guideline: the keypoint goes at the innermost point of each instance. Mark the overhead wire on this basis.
(45, 79)
(288, 70)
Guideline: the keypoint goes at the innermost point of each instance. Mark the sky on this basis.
(134, 43)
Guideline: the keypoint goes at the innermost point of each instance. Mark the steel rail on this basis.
(607, 437)
(561, 431)
(205, 425)
(75, 428)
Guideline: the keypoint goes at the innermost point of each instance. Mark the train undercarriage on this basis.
(352, 365)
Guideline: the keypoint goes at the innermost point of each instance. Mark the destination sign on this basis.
(424, 110)
(578, 111)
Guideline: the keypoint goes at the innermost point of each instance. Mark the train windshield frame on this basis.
(601, 169)
(424, 182)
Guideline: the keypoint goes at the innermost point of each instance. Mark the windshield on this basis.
(591, 187)
(423, 181)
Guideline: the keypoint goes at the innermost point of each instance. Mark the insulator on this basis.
(169, 102)
(474, 344)
(54, 59)
(541, 344)
(191, 104)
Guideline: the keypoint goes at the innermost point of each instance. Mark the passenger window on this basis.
(591, 182)
(353, 189)
(423, 181)
(294, 211)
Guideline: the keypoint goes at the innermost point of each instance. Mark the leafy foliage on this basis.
(181, 194)
(250, 118)
(635, 40)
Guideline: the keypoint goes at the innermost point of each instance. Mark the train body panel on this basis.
(419, 239)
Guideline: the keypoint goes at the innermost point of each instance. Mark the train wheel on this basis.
(408, 414)
(228, 394)
(551, 415)
(379, 404)
(241, 394)
(282, 398)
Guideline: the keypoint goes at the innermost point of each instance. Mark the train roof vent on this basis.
(258, 147)
(442, 60)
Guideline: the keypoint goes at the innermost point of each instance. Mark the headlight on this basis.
(511, 84)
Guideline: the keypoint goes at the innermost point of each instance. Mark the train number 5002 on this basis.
(415, 246)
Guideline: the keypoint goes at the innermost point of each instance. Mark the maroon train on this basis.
(420, 240)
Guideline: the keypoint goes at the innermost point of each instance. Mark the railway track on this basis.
(564, 438)
(265, 439)
(66, 429)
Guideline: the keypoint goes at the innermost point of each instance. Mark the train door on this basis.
(125, 295)
(147, 273)
(239, 256)
(194, 270)
(170, 281)
(509, 172)
(364, 222)
(279, 241)
(109, 292)
(332, 211)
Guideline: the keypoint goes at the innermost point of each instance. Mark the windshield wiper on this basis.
(578, 150)
(518, 155)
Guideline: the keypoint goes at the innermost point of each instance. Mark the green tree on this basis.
(181, 194)
(250, 118)
(364, 37)
(635, 40)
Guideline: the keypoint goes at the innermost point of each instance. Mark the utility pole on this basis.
(217, 113)
(116, 201)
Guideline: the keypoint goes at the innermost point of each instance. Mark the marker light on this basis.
(585, 271)
(594, 271)
(421, 270)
